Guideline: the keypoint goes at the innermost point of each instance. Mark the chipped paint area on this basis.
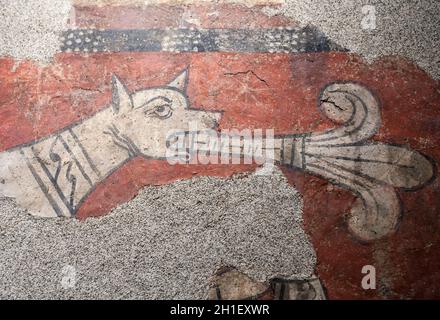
(31, 29)
(86, 136)
(247, 101)
(66, 167)
(172, 2)
(167, 243)
(53, 176)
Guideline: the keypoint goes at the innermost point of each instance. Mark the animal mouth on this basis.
(188, 145)
(212, 123)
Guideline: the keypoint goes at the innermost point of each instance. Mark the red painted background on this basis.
(35, 101)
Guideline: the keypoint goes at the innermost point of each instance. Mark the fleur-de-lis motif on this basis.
(345, 157)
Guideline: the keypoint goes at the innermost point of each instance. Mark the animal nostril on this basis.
(209, 120)
(212, 122)
(215, 119)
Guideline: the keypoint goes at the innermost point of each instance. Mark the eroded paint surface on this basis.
(358, 140)
(54, 175)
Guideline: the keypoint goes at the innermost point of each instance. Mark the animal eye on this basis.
(162, 111)
(158, 107)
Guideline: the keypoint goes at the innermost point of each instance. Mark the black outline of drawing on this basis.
(305, 138)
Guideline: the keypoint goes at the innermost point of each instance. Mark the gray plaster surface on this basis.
(164, 244)
(168, 241)
(408, 28)
(30, 29)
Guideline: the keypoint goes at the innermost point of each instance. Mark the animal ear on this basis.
(121, 99)
(181, 81)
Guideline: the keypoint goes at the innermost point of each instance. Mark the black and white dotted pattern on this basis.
(276, 40)
(82, 41)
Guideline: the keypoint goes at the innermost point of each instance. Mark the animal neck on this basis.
(69, 164)
(106, 147)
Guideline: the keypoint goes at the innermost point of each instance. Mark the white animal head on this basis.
(147, 117)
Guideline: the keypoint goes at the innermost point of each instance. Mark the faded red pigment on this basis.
(163, 16)
(38, 101)
(264, 91)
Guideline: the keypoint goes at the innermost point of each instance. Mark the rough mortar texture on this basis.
(164, 244)
(171, 2)
(30, 29)
(404, 27)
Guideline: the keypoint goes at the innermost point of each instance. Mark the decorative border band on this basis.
(275, 40)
